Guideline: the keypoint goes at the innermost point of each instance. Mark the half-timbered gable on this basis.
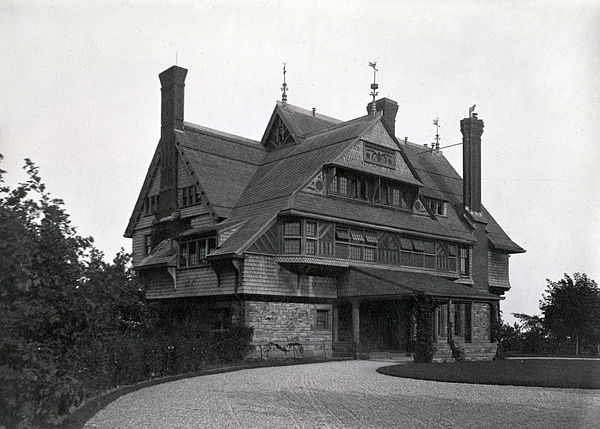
(323, 232)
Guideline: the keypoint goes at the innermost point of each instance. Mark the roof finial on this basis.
(374, 87)
(284, 88)
(436, 122)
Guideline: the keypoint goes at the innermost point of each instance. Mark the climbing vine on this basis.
(423, 312)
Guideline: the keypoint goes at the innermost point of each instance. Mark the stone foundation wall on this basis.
(284, 324)
(480, 347)
(480, 321)
(479, 350)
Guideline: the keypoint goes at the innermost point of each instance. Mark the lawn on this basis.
(582, 374)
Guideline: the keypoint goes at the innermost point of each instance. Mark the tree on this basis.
(571, 310)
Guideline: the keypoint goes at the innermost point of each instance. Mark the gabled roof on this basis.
(223, 164)
(243, 181)
(297, 122)
(137, 209)
(302, 121)
(283, 173)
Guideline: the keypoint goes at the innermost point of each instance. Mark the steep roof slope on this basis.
(441, 181)
(223, 163)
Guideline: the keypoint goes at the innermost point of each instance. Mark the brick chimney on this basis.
(171, 117)
(389, 109)
(472, 129)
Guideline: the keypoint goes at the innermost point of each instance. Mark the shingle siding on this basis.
(498, 269)
(262, 275)
(190, 282)
(137, 247)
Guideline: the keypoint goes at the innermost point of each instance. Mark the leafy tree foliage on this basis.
(571, 310)
(74, 325)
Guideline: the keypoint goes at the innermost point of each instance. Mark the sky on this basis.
(81, 97)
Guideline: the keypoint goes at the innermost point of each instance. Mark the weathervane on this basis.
(374, 86)
(436, 144)
(284, 88)
(472, 111)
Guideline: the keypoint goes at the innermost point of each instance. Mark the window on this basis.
(464, 261)
(220, 318)
(300, 236)
(343, 186)
(437, 207)
(189, 196)
(150, 205)
(291, 239)
(194, 252)
(147, 244)
(322, 322)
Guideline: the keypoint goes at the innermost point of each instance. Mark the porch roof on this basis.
(365, 281)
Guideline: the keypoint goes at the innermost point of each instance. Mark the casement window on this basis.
(300, 236)
(189, 196)
(464, 261)
(322, 320)
(150, 205)
(310, 233)
(292, 237)
(194, 252)
(147, 244)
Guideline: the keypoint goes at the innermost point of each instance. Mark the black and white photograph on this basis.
(299, 214)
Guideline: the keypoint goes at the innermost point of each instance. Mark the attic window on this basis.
(279, 135)
(150, 205)
(189, 196)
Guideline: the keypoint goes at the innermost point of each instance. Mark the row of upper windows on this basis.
(194, 252)
(303, 236)
(377, 190)
(351, 184)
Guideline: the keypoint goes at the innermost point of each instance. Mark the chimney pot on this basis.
(314, 111)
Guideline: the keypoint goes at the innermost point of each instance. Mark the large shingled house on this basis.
(321, 233)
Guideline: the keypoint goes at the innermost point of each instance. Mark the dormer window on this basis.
(352, 184)
(438, 207)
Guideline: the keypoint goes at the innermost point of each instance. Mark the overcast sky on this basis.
(81, 97)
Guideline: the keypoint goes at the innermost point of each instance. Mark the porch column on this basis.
(355, 321)
(335, 323)
(450, 324)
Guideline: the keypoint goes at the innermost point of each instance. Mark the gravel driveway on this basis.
(344, 394)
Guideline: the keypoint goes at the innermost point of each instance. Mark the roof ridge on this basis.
(222, 134)
(306, 112)
(339, 126)
(240, 159)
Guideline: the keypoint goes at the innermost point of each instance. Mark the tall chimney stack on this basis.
(172, 90)
(389, 109)
(472, 129)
